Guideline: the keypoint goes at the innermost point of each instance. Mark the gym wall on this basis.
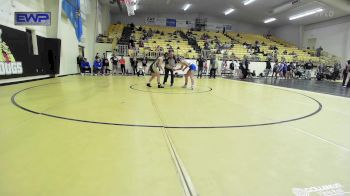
(140, 19)
(333, 36)
(70, 49)
(17, 57)
(290, 33)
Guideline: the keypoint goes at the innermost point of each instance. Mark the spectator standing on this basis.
(223, 66)
(308, 68)
(80, 59)
(213, 67)
(105, 64)
(280, 69)
(336, 71)
(133, 62)
(268, 68)
(122, 65)
(144, 64)
(290, 68)
(319, 51)
(114, 61)
(236, 68)
(346, 75)
(285, 69)
(275, 69)
(245, 65)
(201, 62)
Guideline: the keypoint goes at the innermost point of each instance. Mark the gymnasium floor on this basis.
(108, 136)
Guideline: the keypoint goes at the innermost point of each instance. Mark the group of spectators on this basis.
(284, 70)
(101, 65)
(211, 65)
(290, 70)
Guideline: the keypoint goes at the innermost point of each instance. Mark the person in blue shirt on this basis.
(97, 66)
(85, 67)
(285, 68)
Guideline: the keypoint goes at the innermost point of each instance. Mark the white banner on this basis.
(187, 24)
(184, 24)
(156, 21)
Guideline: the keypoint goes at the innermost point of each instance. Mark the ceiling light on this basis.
(248, 2)
(229, 11)
(269, 20)
(306, 14)
(186, 6)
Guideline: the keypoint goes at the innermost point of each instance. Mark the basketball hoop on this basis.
(130, 6)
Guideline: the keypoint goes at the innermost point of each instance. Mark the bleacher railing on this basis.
(145, 53)
(122, 50)
(153, 54)
(206, 54)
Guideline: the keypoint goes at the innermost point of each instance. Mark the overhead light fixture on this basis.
(269, 20)
(229, 11)
(308, 13)
(248, 2)
(186, 6)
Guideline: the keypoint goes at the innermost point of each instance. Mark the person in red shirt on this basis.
(122, 65)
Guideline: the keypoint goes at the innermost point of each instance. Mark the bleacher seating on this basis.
(170, 38)
(115, 32)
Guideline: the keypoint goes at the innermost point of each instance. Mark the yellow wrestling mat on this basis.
(79, 136)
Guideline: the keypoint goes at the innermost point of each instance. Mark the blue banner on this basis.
(72, 10)
(171, 22)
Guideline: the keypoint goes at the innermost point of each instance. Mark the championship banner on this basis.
(170, 22)
(215, 26)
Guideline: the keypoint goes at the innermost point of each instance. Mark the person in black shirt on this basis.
(201, 61)
(213, 67)
(290, 68)
(170, 64)
(114, 61)
(245, 64)
(105, 64)
(80, 60)
(346, 75)
(144, 64)
(133, 63)
(268, 68)
(308, 68)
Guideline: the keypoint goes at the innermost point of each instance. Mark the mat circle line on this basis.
(13, 100)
